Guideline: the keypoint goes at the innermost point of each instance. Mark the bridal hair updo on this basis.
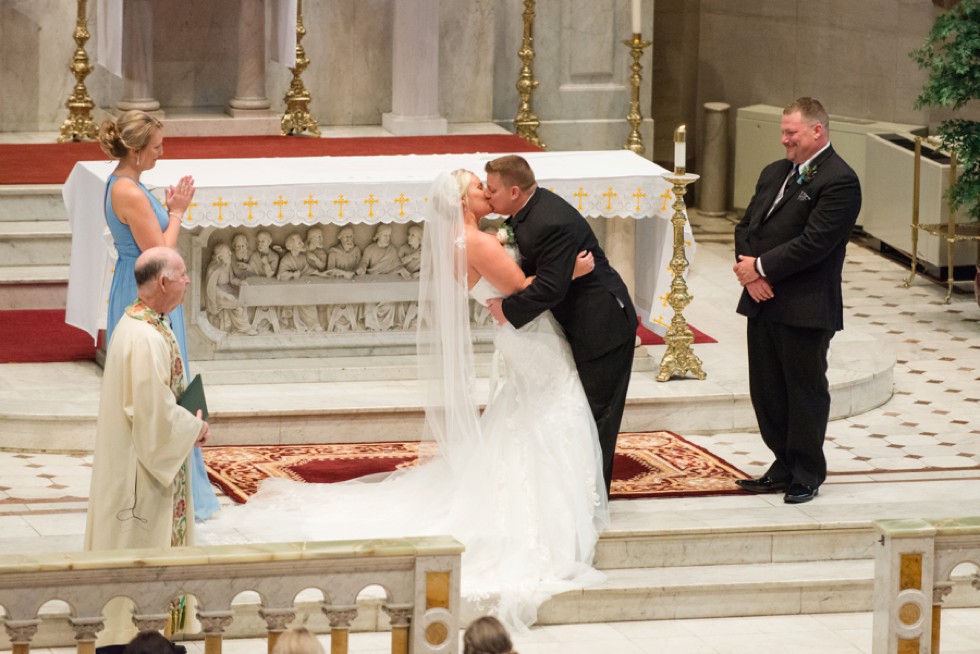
(130, 132)
(487, 636)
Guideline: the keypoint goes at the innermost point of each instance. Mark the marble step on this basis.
(31, 202)
(33, 287)
(35, 243)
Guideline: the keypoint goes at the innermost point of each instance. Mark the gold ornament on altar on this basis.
(526, 123)
(634, 117)
(679, 359)
(79, 126)
(298, 118)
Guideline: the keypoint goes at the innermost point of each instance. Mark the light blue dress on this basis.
(122, 293)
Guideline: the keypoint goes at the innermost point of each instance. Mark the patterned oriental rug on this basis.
(647, 464)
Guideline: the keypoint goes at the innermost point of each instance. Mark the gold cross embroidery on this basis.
(340, 201)
(664, 297)
(666, 198)
(639, 195)
(220, 206)
(660, 321)
(251, 203)
(401, 200)
(581, 194)
(371, 201)
(609, 195)
(189, 207)
(280, 203)
(310, 202)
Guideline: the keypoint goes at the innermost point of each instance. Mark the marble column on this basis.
(250, 90)
(415, 70)
(714, 160)
(620, 248)
(137, 57)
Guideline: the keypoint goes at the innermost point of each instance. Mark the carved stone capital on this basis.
(277, 619)
(939, 591)
(151, 621)
(87, 629)
(340, 616)
(214, 622)
(400, 615)
(21, 632)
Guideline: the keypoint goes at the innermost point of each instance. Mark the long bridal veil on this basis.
(520, 486)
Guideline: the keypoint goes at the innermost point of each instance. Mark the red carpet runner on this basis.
(41, 336)
(647, 464)
(50, 163)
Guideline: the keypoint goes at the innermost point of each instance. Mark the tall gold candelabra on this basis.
(525, 121)
(79, 124)
(679, 358)
(634, 117)
(298, 118)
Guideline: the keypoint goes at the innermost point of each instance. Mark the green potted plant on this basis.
(951, 54)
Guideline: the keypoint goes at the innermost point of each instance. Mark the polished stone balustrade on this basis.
(913, 573)
(420, 578)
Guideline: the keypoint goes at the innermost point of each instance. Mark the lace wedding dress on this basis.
(524, 492)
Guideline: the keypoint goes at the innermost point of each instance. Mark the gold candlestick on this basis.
(634, 117)
(298, 118)
(526, 122)
(679, 358)
(79, 125)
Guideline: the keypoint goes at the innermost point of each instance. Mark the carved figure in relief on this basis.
(381, 258)
(241, 253)
(316, 255)
(410, 254)
(343, 258)
(342, 262)
(224, 310)
(294, 265)
(264, 262)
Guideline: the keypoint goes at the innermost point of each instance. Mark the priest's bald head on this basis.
(162, 278)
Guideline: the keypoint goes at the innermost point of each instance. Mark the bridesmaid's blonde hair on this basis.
(130, 132)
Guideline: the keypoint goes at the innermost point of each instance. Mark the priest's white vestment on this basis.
(140, 496)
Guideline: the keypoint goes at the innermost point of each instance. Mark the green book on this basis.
(193, 398)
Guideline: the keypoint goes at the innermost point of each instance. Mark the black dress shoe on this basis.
(799, 493)
(761, 485)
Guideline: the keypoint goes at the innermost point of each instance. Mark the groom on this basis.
(595, 311)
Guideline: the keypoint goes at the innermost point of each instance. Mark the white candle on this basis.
(680, 151)
(637, 23)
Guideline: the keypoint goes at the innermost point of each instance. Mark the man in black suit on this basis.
(790, 248)
(595, 310)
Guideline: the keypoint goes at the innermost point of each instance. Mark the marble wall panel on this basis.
(467, 56)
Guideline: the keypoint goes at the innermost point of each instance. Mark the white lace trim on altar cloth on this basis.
(320, 190)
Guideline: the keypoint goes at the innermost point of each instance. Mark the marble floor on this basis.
(917, 455)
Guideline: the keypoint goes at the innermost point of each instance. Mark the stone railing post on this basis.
(213, 624)
(400, 616)
(21, 633)
(276, 621)
(340, 618)
(151, 621)
(903, 595)
(86, 633)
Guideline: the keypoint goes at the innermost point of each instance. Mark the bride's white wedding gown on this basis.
(528, 501)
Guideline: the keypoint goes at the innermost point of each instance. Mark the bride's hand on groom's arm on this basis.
(495, 304)
(584, 264)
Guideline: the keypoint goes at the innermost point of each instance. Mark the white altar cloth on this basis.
(319, 190)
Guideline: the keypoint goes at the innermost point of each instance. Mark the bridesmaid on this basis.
(137, 222)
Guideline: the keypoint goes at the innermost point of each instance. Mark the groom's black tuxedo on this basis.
(801, 243)
(595, 310)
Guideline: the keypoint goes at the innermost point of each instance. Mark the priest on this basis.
(140, 495)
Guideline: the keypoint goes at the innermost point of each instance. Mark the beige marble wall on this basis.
(348, 43)
(582, 68)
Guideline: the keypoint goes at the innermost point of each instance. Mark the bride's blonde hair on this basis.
(463, 179)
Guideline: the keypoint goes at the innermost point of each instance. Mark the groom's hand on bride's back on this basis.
(495, 304)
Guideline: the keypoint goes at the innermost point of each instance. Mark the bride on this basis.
(520, 486)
